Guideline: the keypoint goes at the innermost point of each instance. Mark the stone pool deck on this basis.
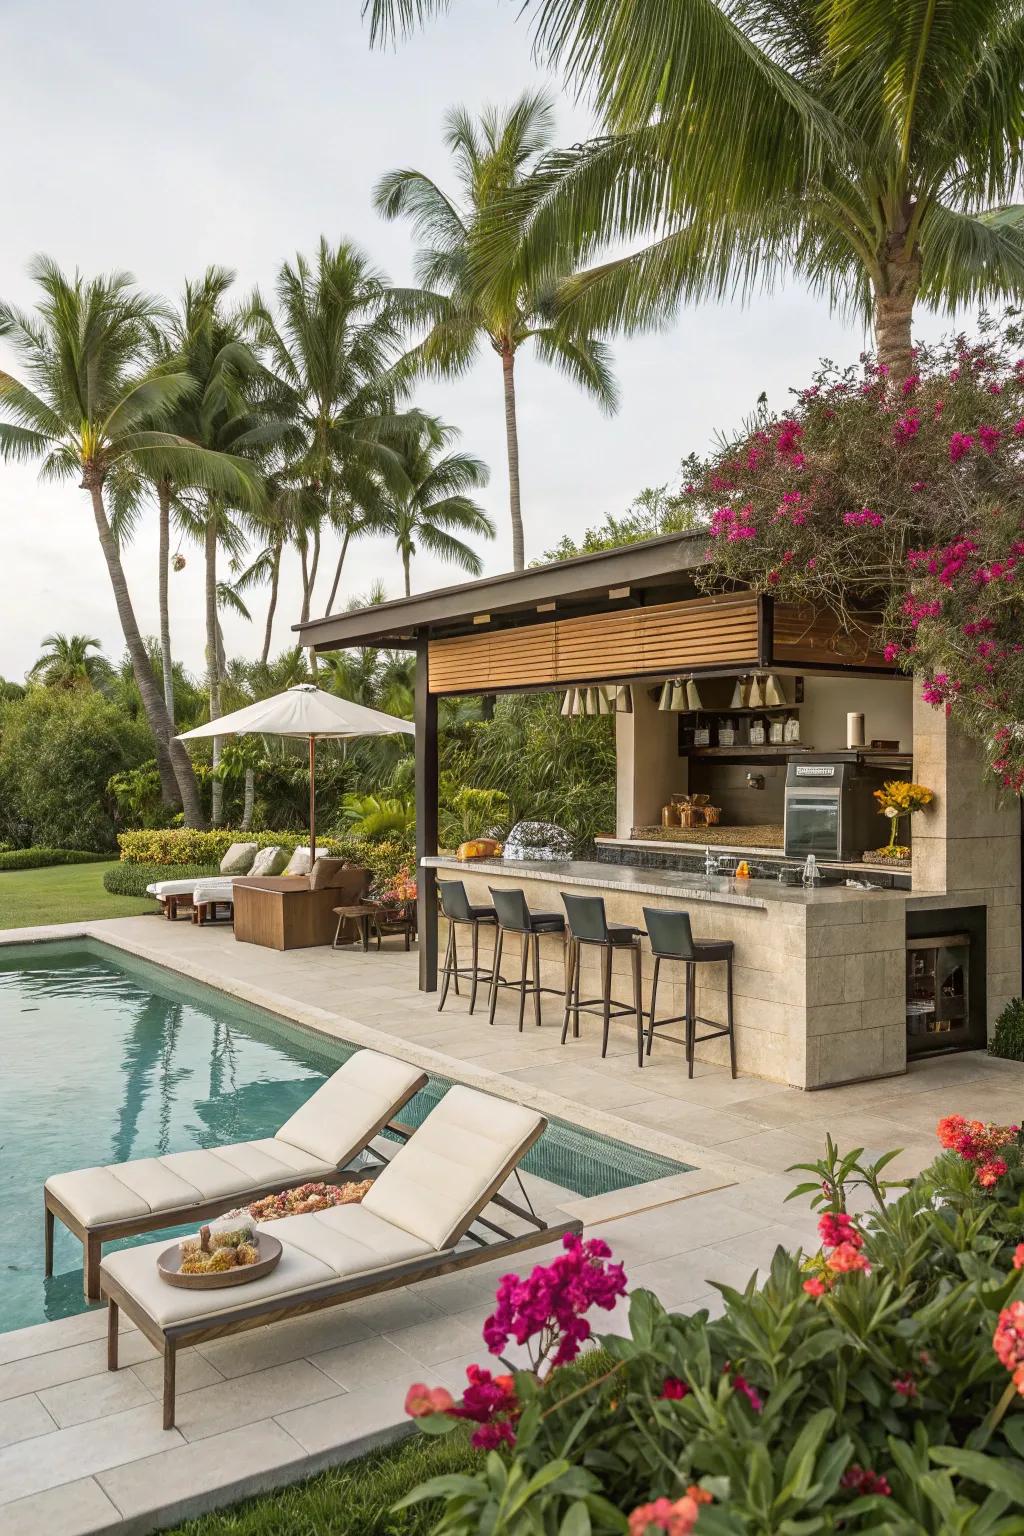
(82, 1451)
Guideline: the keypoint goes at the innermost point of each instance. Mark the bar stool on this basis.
(514, 916)
(588, 924)
(672, 939)
(460, 911)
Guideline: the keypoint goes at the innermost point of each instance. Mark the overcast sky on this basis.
(163, 138)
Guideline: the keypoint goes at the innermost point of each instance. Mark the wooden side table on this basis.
(358, 913)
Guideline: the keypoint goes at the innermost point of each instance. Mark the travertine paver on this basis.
(267, 1406)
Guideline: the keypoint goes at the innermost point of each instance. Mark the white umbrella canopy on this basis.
(309, 714)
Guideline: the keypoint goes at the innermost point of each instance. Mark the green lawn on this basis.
(65, 893)
(352, 1500)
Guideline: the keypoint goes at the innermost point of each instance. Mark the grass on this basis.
(65, 893)
(352, 1500)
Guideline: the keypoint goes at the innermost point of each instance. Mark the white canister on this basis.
(854, 729)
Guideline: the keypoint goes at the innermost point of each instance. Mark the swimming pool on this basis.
(105, 1058)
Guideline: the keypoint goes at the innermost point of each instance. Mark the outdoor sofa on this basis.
(317, 1143)
(428, 1199)
(240, 859)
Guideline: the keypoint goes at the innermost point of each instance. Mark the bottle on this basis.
(811, 874)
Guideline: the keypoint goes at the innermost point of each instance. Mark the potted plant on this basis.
(896, 799)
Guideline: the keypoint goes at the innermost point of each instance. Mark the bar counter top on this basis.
(682, 885)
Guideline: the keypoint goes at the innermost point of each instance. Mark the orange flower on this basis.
(846, 1258)
(421, 1400)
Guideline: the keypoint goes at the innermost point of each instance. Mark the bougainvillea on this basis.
(904, 507)
(990, 1148)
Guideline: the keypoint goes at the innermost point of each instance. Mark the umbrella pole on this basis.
(312, 801)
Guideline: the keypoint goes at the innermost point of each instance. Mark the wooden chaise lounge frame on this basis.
(93, 1236)
(499, 1244)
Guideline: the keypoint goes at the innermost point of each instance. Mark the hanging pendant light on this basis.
(665, 697)
(773, 694)
(678, 704)
(739, 694)
(755, 699)
(693, 698)
(624, 699)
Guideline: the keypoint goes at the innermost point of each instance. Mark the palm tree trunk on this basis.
(337, 573)
(177, 779)
(508, 362)
(308, 578)
(213, 653)
(405, 568)
(893, 314)
(250, 799)
(275, 575)
(164, 500)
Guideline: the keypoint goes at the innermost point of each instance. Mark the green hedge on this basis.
(132, 879)
(1008, 1040)
(42, 858)
(185, 845)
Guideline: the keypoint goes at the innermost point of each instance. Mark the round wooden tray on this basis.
(169, 1265)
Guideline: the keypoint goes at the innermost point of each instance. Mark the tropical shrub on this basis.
(876, 1386)
(131, 879)
(137, 794)
(1008, 1036)
(867, 497)
(465, 812)
(43, 858)
(379, 816)
(58, 751)
(187, 845)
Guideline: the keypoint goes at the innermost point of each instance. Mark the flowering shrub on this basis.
(874, 1400)
(865, 501)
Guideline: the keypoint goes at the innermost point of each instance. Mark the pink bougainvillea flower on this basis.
(1008, 1342)
(989, 437)
(904, 1386)
(906, 428)
(836, 1228)
(815, 1287)
(753, 1397)
(673, 1389)
(892, 651)
(990, 1173)
(846, 1258)
(421, 1400)
(549, 1303)
(678, 1518)
(487, 1437)
(960, 445)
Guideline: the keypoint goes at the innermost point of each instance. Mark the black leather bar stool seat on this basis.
(461, 912)
(514, 917)
(589, 925)
(672, 939)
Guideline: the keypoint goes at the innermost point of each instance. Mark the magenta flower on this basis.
(960, 445)
(548, 1305)
(906, 428)
(989, 437)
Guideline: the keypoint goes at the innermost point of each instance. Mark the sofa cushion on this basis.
(438, 1179)
(238, 859)
(269, 861)
(298, 864)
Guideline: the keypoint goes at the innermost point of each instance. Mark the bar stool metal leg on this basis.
(639, 1005)
(495, 974)
(446, 969)
(654, 1002)
(524, 961)
(536, 979)
(728, 1016)
(691, 1014)
(571, 964)
(475, 952)
(606, 977)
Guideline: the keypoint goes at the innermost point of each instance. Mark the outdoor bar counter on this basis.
(819, 975)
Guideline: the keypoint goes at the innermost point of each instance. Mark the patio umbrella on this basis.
(304, 713)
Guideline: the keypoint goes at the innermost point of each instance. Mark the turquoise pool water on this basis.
(104, 1058)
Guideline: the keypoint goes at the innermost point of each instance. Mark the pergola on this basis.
(628, 615)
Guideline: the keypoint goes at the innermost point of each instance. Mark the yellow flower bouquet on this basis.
(896, 799)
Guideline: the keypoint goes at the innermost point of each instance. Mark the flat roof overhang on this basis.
(581, 585)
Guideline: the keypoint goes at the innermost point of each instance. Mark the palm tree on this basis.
(95, 407)
(331, 346)
(67, 662)
(494, 159)
(874, 151)
(435, 507)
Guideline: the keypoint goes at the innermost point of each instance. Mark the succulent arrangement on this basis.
(212, 1252)
(307, 1199)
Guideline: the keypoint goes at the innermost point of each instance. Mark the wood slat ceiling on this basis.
(670, 637)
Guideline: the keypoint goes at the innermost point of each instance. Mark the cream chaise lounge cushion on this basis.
(338, 1120)
(135, 1269)
(441, 1175)
(161, 889)
(213, 890)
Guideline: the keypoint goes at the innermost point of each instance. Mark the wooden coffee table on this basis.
(358, 913)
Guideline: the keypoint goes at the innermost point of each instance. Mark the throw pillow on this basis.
(298, 864)
(269, 861)
(325, 873)
(238, 859)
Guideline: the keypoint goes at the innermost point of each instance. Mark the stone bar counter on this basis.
(819, 975)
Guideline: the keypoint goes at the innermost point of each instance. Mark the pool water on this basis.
(105, 1058)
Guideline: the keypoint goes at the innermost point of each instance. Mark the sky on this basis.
(161, 139)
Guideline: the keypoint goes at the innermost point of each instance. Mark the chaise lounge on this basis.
(240, 859)
(428, 1199)
(317, 1142)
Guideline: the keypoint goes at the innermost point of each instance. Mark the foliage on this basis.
(872, 1387)
(63, 893)
(1008, 1038)
(67, 662)
(653, 513)
(387, 859)
(187, 845)
(375, 817)
(436, 506)
(550, 768)
(123, 879)
(465, 812)
(44, 858)
(58, 752)
(136, 792)
(863, 498)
